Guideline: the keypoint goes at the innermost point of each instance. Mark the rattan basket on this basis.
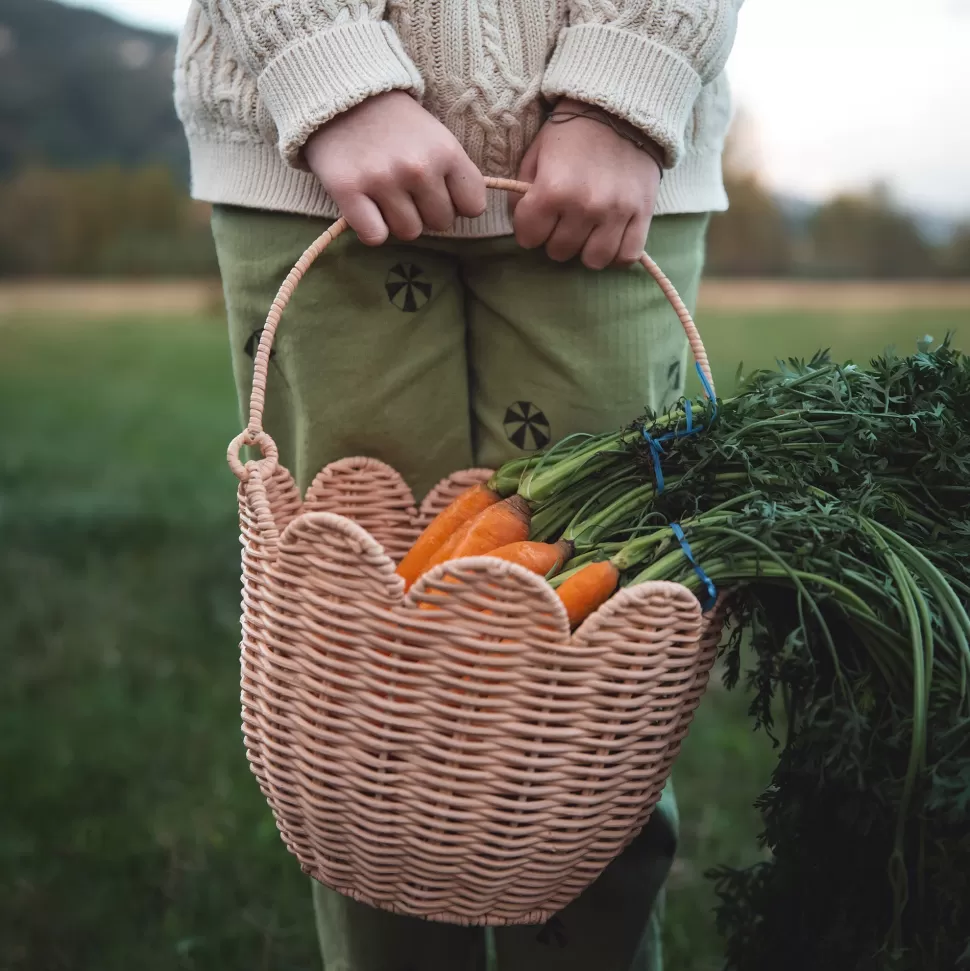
(475, 764)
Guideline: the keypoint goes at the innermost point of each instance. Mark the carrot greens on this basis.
(830, 503)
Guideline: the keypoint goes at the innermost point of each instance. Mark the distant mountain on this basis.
(78, 89)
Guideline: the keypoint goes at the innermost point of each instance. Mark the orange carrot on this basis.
(538, 557)
(504, 523)
(462, 509)
(444, 554)
(587, 590)
(448, 547)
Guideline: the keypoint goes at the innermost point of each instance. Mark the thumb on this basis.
(527, 173)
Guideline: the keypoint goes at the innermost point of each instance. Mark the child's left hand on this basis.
(593, 192)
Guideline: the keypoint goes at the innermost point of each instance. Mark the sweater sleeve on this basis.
(314, 59)
(643, 60)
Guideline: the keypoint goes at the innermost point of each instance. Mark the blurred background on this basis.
(131, 833)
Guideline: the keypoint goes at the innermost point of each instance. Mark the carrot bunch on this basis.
(831, 503)
(480, 523)
(540, 510)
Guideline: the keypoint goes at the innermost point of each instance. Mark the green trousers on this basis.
(446, 354)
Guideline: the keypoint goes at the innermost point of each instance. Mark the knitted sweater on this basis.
(255, 78)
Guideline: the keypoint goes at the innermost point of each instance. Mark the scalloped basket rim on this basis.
(535, 584)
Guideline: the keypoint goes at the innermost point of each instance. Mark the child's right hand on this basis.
(392, 167)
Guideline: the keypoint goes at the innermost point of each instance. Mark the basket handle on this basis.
(254, 433)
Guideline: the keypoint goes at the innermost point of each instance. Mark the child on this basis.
(461, 328)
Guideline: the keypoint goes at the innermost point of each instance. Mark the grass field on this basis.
(131, 833)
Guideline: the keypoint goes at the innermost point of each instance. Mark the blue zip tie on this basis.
(656, 451)
(698, 569)
(708, 390)
(656, 444)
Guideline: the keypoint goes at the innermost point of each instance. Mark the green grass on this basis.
(131, 833)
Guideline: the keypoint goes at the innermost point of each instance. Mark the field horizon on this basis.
(85, 298)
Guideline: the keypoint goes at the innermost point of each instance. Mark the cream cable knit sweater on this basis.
(255, 78)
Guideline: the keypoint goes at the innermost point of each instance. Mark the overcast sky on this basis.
(842, 92)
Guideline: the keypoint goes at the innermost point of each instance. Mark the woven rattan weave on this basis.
(475, 763)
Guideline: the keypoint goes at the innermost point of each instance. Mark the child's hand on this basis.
(390, 166)
(593, 192)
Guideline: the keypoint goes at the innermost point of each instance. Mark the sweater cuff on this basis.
(630, 76)
(330, 72)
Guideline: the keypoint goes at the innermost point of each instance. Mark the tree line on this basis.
(111, 221)
(106, 221)
(852, 236)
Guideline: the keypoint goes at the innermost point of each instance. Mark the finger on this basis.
(569, 237)
(401, 215)
(603, 245)
(364, 217)
(434, 205)
(527, 173)
(533, 222)
(466, 186)
(634, 240)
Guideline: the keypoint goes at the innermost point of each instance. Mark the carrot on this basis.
(444, 554)
(504, 523)
(448, 547)
(540, 558)
(587, 590)
(461, 510)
